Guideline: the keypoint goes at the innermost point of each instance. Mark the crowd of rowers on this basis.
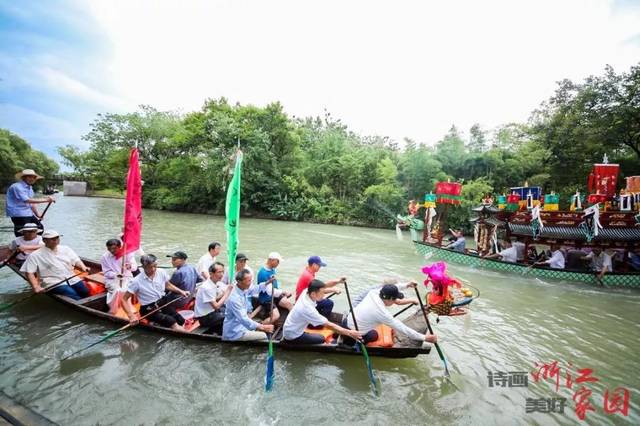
(557, 257)
(227, 306)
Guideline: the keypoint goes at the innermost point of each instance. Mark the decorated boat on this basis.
(389, 345)
(605, 219)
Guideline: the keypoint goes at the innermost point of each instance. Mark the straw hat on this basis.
(28, 172)
(30, 227)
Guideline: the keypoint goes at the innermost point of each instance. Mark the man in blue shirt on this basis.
(459, 242)
(185, 276)
(21, 206)
(237, 324)
(268, 284)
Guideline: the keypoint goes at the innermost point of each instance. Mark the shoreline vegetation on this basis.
(317, 170)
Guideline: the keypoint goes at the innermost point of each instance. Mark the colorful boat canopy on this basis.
(603, 179)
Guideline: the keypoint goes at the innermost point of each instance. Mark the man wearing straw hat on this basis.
(21, 206)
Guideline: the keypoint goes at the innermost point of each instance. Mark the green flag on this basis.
(232, 212)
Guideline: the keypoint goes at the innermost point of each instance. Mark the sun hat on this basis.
(50, 233)
(28, 172)
(30, 227)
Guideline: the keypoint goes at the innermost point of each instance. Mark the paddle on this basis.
(269, 378)
(10, 258)
(426, 318)
(526, 271)
(45, 210)
(367, 360)
(51, 287)
(113, 333)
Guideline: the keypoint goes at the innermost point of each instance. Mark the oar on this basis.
(270, 375)
(10, 258)
(426, 318)
(45, 210)
(403, 310)
(367, 360)
(526, 271)
(113, 333)
(51, 287)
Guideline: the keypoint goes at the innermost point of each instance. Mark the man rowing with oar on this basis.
(21, 206)
(52, 264)
(314, 263)
(150, 286)
(305, 313)
(237, 324)
(372, 312)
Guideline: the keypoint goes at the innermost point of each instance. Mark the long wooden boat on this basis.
(96, 306)
(614, 279)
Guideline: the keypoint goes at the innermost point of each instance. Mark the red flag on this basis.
(133, 206)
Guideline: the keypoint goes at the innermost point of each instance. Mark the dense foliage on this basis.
(316, 169)
(16, 154)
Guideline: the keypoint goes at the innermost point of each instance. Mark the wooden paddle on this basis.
(51, 287)
(113, 333)
(426, 318)
(270, 375)
(367, 360)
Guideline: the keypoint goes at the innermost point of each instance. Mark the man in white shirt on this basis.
(508, 254)
(53, 264)
(600, 261)
(305, 313)
(118, 272)
(28, 242)
(556, 261)
(150, 286)
(208, 259)
(210, 299)
(372, 311)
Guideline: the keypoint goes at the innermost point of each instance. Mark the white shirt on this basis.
(519, 249)
(598, 263)
(371, 312)
(557, 260)
(112, 266)
(304, 312)
(149, 290)
(52, 266)
(204, 264)
(207, 293)
(509, 255)
(20, 241)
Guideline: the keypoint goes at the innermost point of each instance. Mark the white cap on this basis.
(50, 233)
(275, 255)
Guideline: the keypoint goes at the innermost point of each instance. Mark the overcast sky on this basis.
(392, 68)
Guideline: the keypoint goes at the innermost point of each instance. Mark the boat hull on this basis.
(616, 279)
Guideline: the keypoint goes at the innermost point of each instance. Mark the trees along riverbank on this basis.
(316, 169)
(16, 154)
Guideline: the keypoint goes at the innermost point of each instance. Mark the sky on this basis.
(386, 68)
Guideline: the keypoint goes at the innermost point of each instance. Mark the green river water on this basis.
(145, 378)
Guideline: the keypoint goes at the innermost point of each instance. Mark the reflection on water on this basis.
(145, 378)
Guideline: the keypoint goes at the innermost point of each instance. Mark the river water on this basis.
(145, 378)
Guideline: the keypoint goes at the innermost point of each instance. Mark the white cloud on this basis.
(31, 124)
(397, 68)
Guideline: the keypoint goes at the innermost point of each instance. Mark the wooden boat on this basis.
(614, 279)
(96, 306)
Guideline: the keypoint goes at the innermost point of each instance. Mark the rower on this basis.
(556, 261)
(208, 259)
(268, 284)
(210, 300)
(237, 325)
(508, 254)
(185, 277)
(28, 242)
(118, 273)
(241, 263)
(373, 312)
(305, 314)
(314, 263)
(20, 204)
(52, 264)
(458, 244)
(360, 297)
(150, 286)
(600, 261)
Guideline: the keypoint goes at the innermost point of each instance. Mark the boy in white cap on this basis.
(54, 263)
(28, 242)
(21, 206)
(268, 284)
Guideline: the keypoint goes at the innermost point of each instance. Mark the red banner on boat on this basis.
(603, 179)
(133, 206)
(449, 192)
